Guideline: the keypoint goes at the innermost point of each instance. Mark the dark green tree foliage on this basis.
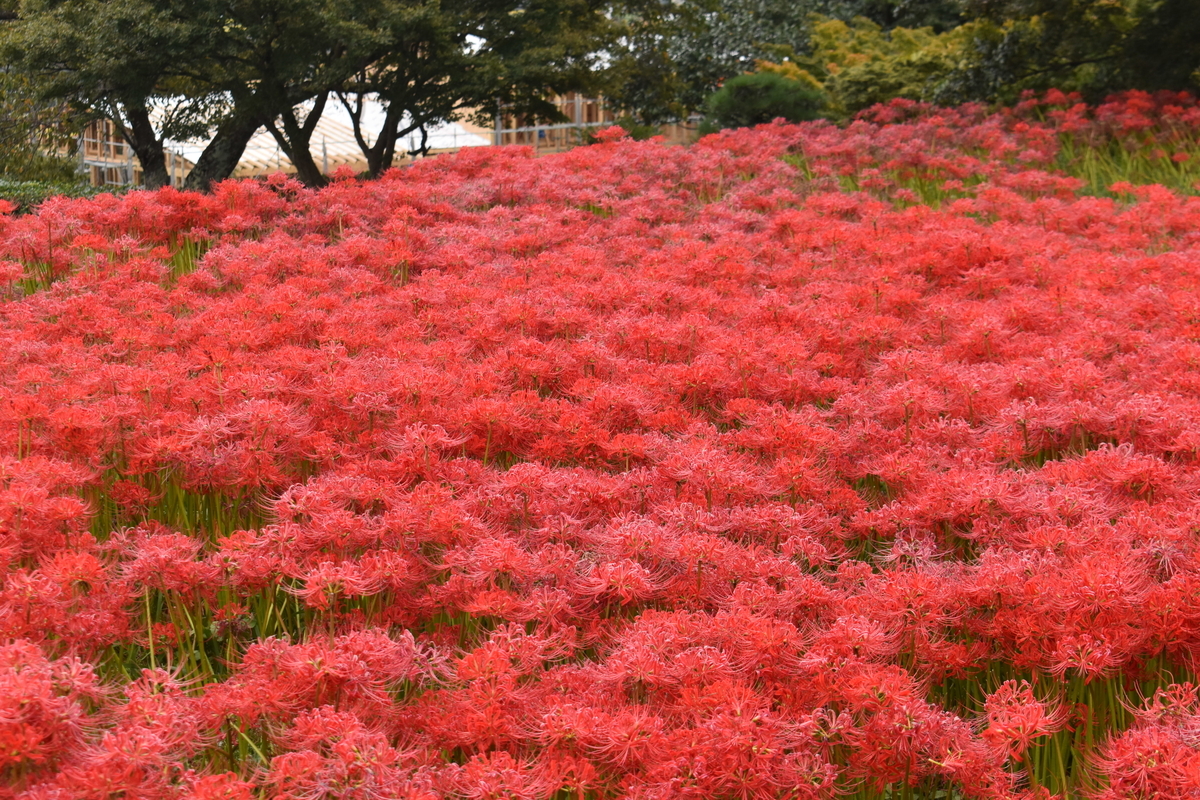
(941, 15)
(676, 54)
(116, 59)
(643, 77)
(1093, 46)
(32, 131)
(35, 135)
(1163, 48)
(759, 97)
(738, 33)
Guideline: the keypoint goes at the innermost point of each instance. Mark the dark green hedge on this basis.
(29, 194)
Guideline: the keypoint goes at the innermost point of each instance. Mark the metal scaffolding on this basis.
(584, 114)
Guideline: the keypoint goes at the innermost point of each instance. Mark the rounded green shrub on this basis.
(759, 97)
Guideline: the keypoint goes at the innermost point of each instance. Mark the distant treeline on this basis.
(167, 69)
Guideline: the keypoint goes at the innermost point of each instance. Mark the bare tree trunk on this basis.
(220, 158)
(147, 146)
(382, 153)
(295, 140)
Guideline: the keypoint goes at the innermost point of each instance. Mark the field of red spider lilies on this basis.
(805, 462)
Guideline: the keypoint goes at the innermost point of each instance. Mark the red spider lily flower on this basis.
(221, 786)
(1015, 718)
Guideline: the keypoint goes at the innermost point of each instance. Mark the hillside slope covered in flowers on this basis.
(802, 462)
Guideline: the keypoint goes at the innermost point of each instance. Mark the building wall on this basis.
(106, 157)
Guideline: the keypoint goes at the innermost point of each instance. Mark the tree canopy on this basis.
(162, 69)
(1092, 46)
(866, 51)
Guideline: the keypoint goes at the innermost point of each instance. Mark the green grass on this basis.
(1129, 161)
